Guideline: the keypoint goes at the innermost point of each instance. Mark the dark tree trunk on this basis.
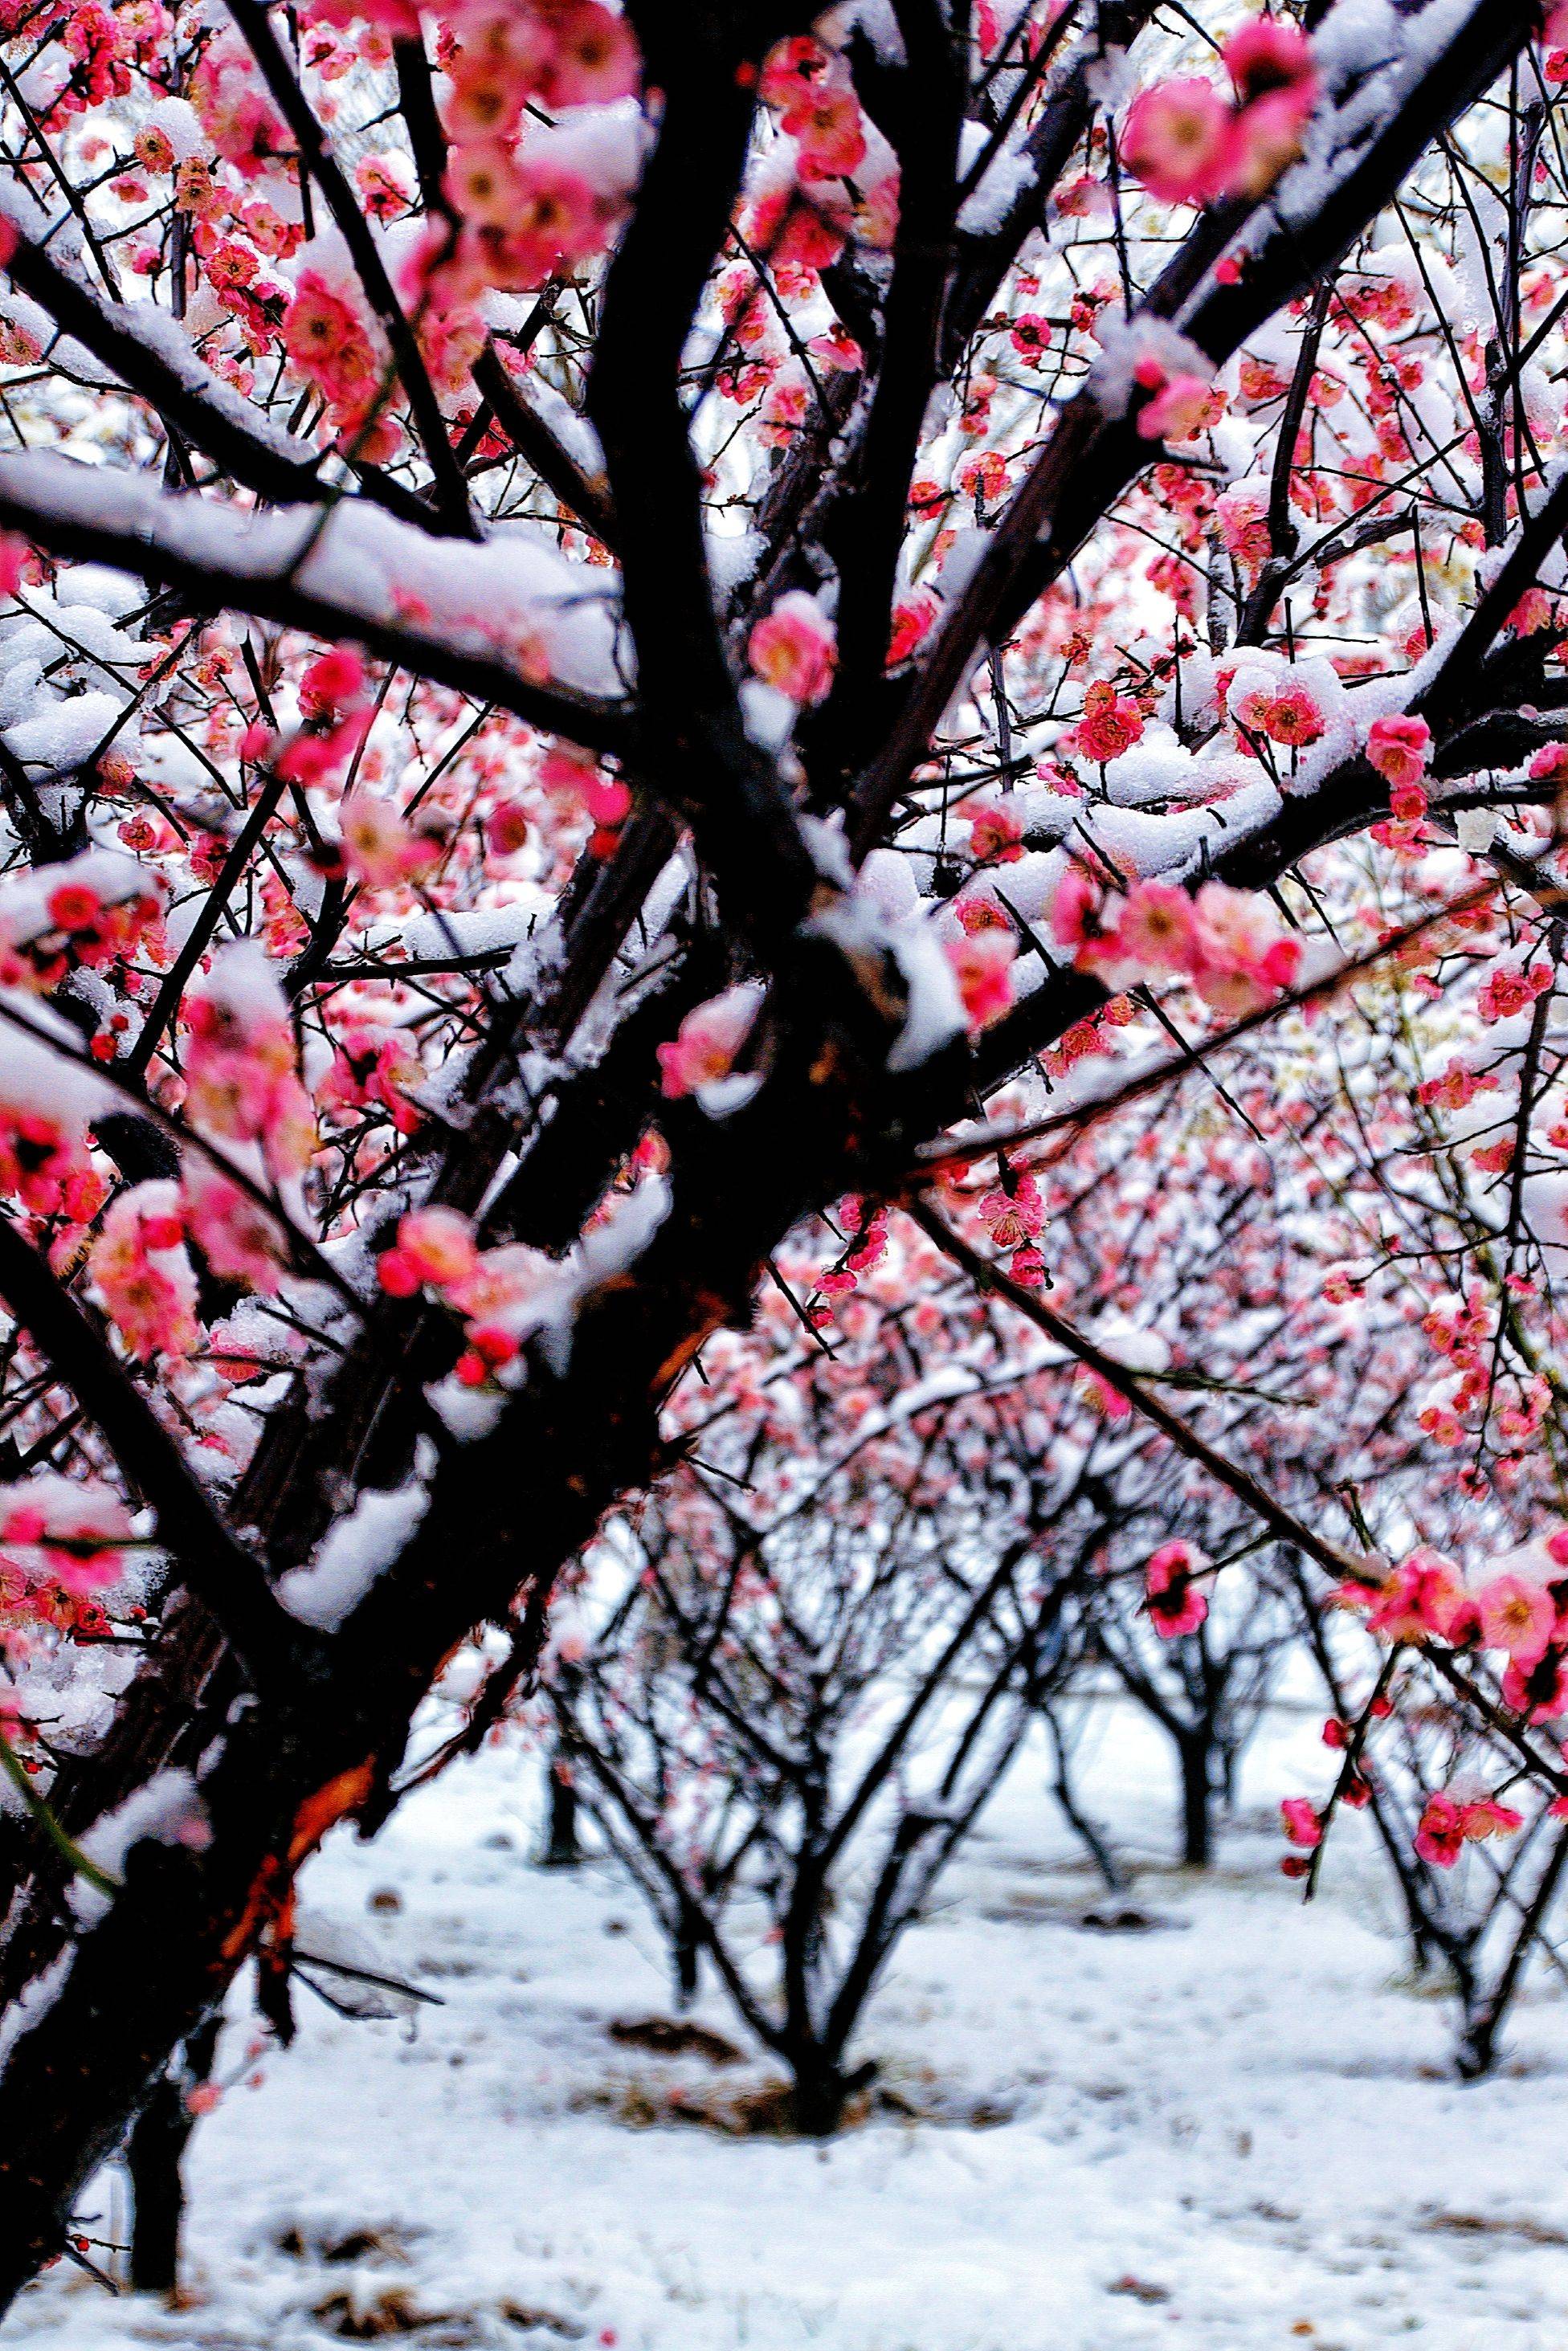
(1483, 2016)
(816, 2106)
(822, 2090)
(686, 1952)
(1477, 2052)
(562, 1849)
(153, 2154)
(1197, 1804)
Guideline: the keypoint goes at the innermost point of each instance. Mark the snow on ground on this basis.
(1231, 2132)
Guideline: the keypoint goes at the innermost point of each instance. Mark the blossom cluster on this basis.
(1190, 144)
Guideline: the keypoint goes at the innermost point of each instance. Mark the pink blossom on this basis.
(237, 113)
(1302, 1825)
(434, 1249)
(1271, 65)
(1420, 1597)
(1243, 956)
(996, 833)
(1264, 138)
(141, 1272)
(321, 748)
(1174, 1605)
(831, 133)
(912, 619)
(1031, 333)
(331, 683)
(1176, 140)
(793, 648)
(1537, 1687)
(578, 776)
(373, 1065)
(1110, 723)
(1441, 1837)
(594, 59)
(43, 1162)
(557, 221)
(386, 184)
(1486, 1818)
(241, 1083)
(1268, 56)
(1181, 406)
(71, 1535)
(329, 343)
(489, 1347)
(708, 1039)
(982, 964)
(1507, 991)
(238, 1239)
(1014, 1212)
(378, 849)
(1158, 929)
(481, 181)
(1100, 1395)
(1399, 748)
(1241, 515)
(1292, 716)
(1075, 911)
(1516, 1615)
(1449, 1823)
(498, 60)
(795, 69)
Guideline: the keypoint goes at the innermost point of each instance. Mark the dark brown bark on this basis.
(154, 2155)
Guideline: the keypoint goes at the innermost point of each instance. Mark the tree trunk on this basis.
(154, 2153)
(1475, 2053)
(686, 1952)
(562, 1849)
(1483, 2016)
(1197, 1804)
(821, 2092)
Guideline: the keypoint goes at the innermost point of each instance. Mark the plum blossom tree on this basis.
(789, 1685)
(1477, 1879)
(856, 547)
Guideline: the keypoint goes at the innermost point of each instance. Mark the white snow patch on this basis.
(353, 1552)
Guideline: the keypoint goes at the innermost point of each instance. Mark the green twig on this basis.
(21, 1778)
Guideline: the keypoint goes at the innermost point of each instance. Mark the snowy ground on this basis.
(1232, 2132)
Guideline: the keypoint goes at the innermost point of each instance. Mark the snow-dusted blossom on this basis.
(64, 1530)
(1189, 144)
(705, 1048)
(793, 649)
(242, 1082)
(1399, 748)
(143, 1273)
